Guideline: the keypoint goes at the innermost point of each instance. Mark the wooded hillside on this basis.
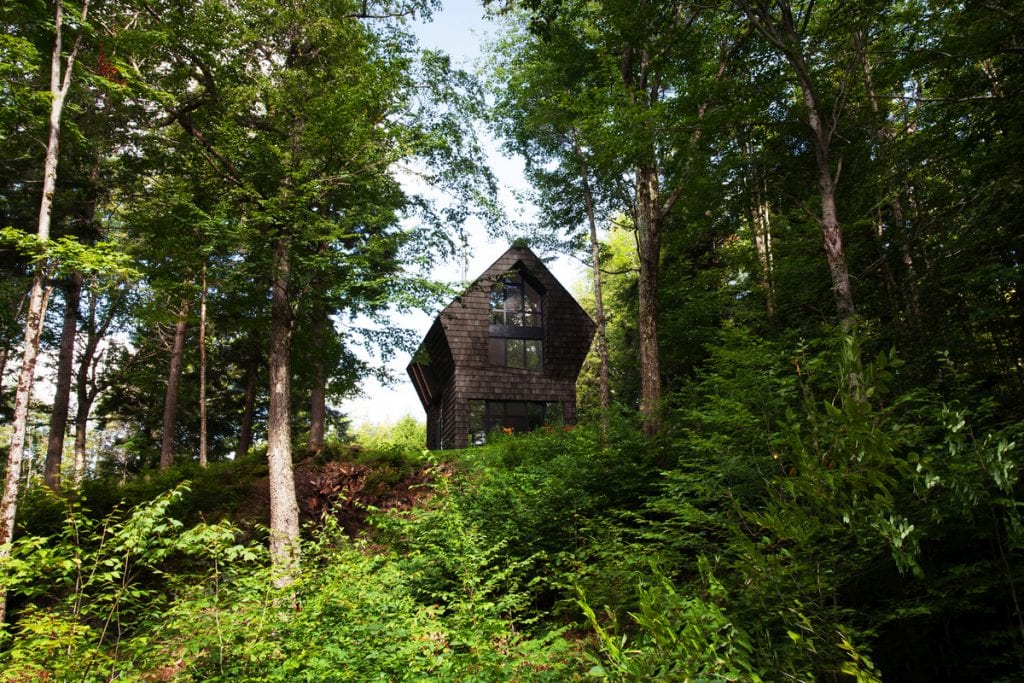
(798, 456)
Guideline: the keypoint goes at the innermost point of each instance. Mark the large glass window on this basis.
(516, 324)
(512, 416)
(516, 303)
(525, 354)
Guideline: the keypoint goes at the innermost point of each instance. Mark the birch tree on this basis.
(61, 71)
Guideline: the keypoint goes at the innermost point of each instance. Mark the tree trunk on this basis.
(595, 254)
(759, 209)
(249, 412)
(62, 394)
(22, 398)
(202, 369)
(284, 509)
(831, 230)
(318, 394)
(86, 385)
(171, 397)
(35, 318)
(648, 225)
(785, 36)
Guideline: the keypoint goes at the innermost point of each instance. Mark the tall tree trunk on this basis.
(284, 509)
(595, 255)
(785, 36)
(831, 230)
(171, 397)
(648, 225)
(249, 411)
(649, 214)
(22, 399)
(62, 393)
(86, 384)
(318, 394)
(202, 369)
(759, 209)
(35, 318)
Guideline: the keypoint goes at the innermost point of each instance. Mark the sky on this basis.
(460, 30)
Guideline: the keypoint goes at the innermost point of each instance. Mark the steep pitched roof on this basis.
(569, 327)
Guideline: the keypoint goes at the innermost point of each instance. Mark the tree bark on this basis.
(648, 225)
(202, 369)
(831, 230)
(22, 398)
(86, 385)
(35, 318)
(62, 393)
(284, 509)
(759, 209)
(171, 397)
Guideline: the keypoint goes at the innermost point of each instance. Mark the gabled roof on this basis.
(570, 331)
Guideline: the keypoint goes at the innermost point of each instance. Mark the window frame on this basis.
(519, 416)
(514, 344)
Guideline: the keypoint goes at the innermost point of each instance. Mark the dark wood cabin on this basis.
(503, 355)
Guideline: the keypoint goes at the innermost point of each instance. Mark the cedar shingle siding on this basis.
(452, 366)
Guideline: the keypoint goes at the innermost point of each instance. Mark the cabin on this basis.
(503, 355)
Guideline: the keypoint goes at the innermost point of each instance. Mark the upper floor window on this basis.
(515, 302)
(516, 324)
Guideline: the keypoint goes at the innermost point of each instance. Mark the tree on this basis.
(62, 392)
(606, 89)
(61, 70)
(786, 32)
(299, 117)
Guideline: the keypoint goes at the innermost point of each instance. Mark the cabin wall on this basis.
(458, 347)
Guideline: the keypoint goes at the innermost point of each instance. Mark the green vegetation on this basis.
(547, 556)
(800, 462)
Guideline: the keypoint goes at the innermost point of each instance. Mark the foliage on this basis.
(678, 638)
(836, 521)
(96, 586)
(407, 434)
(815, 506)
(146, 596)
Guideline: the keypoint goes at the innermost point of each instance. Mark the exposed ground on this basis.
(348, 490)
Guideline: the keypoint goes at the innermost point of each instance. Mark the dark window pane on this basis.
(477, 425)
(516, 408)
(535, 414)
(514, 353)
(532, 299)
(553, 413)
(513, 296)
(517, 424)
(514, 302)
